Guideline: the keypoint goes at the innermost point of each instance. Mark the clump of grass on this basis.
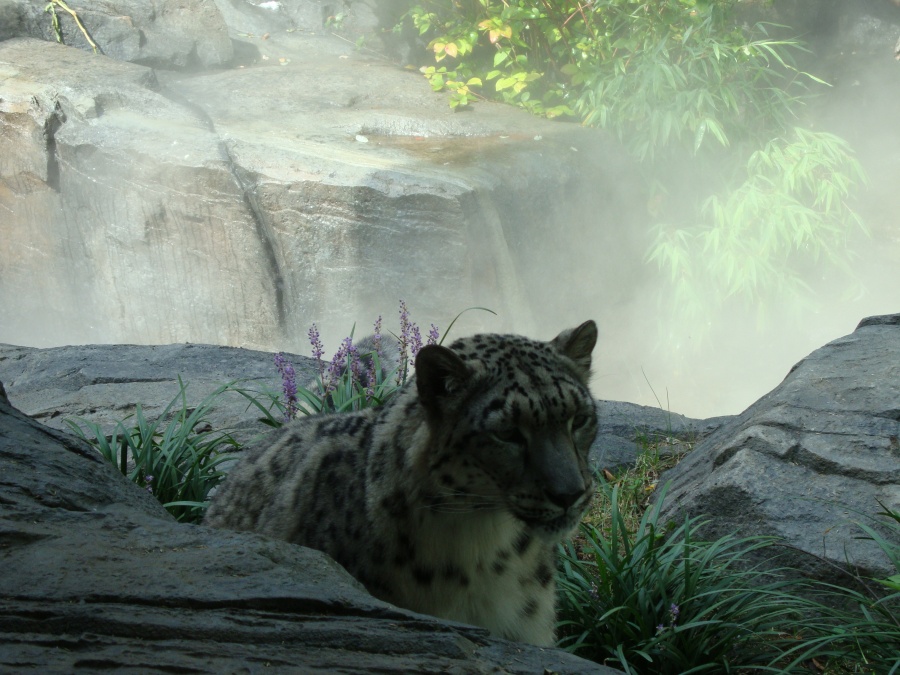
(866, 637)
(650, 601)
(653, 598)
(177, 462)
(636, 484)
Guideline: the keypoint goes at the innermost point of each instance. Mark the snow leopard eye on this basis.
(511, 435)
(578, 421)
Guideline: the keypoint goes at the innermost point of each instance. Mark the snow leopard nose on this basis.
(564, 499)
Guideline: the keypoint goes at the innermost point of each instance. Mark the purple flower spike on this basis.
(288, 384)
(376, 338)
(336, 368)
(355, 365)
(370, 381)
(403, 343)
(317, 350)
(415, 340)
(433, 335)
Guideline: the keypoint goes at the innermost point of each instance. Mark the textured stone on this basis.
(103, 384)
(97, 576)
(809, 459)
(104, 235)
(157, 33)
(625, 427)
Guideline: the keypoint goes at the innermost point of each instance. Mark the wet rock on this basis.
(810, 458)
(97, 576)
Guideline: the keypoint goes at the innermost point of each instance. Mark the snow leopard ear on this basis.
(439, 372)
(577, 344)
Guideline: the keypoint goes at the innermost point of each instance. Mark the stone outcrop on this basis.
(104, 383)
(808, 459)
(97, 576)
(307, 181)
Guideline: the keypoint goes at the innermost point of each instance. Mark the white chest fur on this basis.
(484, 569)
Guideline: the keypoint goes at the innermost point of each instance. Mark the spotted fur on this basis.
(451, 498)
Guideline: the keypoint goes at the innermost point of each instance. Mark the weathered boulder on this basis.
(157, 33)
(808, 459)
(103, 384)
(104, 228)
(97, 576)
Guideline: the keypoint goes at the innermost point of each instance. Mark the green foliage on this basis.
(649, 603)
(178, 463)
(655, 73)
(496, 42)
(869, 632)
(744, 199)
(620, 575)
(755, 240)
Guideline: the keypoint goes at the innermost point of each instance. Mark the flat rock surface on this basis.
(98, 577)
(809, 459)
(103, 384)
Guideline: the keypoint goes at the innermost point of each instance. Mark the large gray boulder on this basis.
(809, 459)
(103, 384)
(97, 576)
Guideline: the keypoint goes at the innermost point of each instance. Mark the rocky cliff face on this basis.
(239, 190)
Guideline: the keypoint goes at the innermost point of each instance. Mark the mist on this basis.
(593, 264)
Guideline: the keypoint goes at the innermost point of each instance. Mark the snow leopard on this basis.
(450, 498)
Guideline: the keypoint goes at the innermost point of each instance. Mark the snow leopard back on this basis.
(449, 499)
